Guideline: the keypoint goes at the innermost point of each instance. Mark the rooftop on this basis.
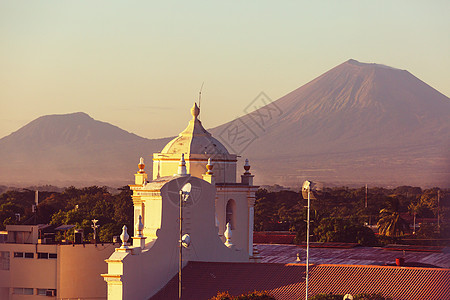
(285, 254)
(202, 280)
(195, 139)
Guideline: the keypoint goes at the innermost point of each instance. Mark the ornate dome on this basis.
(195, 139)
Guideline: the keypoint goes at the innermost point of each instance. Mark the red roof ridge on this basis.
(370, 266)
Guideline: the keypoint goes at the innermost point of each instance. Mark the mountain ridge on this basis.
(74, 148)
(355, 123)
(354, 108)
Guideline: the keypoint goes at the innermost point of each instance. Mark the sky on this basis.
(140, 65)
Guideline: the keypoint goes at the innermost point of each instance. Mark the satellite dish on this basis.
(186, 241)
(185, 191)
(348, 297)
(312, 187)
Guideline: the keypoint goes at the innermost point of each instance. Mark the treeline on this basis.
(345, 214)
(339, 214)
(72, 206)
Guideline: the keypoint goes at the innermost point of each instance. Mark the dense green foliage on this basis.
(71, 207)
(246, 296)
(341, 215)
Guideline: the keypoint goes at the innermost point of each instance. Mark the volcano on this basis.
(72, 149)
(357, 123)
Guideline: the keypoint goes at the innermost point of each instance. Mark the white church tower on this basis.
(217, 215)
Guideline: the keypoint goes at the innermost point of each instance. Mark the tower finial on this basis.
(195, 111)
(209, 167)
(182, 166)
(141, 166)
(247, 167)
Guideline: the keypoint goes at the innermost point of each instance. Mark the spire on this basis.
(195, 111)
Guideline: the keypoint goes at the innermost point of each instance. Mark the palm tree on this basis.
(391, 224)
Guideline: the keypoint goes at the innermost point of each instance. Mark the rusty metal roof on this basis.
(352, 256)
(202, 280)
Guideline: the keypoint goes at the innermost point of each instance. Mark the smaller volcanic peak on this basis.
(72, 149)
(75, 128)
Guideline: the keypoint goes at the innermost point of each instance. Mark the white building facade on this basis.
(217, 214)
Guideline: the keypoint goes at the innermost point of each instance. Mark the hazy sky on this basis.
(140, 64)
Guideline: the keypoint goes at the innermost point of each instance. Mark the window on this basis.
(26, 254)
(23, 291)
(43, 255)
(4, 260)
(42, 292)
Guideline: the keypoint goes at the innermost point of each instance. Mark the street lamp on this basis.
(308, 192)
(185, 240)
(95, 226)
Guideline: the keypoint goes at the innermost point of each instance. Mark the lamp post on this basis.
(184, 240)
(95, 226)
(307, 194)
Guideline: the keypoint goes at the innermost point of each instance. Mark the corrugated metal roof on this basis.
(202, 280)
(353, 256)
(65, 227)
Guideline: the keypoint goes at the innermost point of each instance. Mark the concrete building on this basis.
(30, 269)
(217, 214)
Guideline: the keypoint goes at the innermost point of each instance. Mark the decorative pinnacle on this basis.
(227, 235)
(195, 110)
(247, 167)
(182, 166)
(124, 237)
(141, 166)
(139, 226)
(209, 167)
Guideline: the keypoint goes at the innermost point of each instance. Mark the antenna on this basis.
(365, 202)
(200, 95)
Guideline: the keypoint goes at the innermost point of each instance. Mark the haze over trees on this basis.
(339, 215)
(357, 123)
(71, 207)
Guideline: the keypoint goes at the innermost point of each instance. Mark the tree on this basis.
(344, 231)
(391, 224)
